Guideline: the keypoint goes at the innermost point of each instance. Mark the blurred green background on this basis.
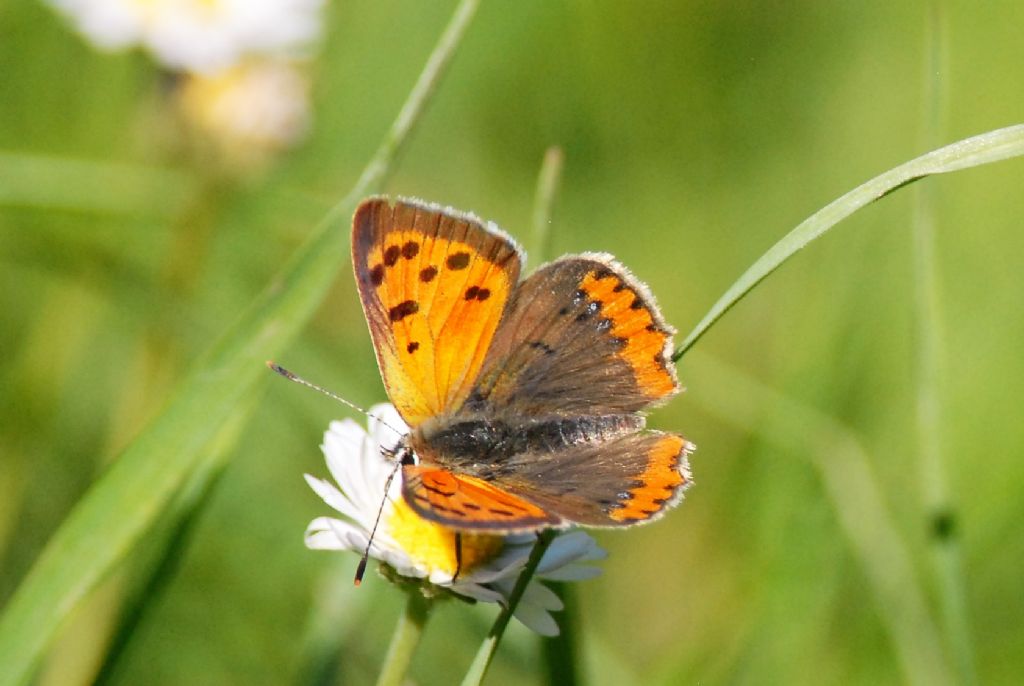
(695, 135)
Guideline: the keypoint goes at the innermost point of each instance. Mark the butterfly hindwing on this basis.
(433, 284)
(581, 336)
(628, 480)
(469, 503)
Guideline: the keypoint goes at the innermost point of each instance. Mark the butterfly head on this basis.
(402, 453)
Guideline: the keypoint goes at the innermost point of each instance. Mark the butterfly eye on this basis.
(407, 457)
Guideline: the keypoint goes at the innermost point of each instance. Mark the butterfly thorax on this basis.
(478, 447)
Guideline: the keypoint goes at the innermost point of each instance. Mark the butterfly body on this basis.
(524, 398)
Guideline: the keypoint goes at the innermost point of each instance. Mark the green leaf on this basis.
(988, 147)
(121, 507)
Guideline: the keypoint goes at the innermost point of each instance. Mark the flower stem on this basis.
(407, 636)
(485, 654)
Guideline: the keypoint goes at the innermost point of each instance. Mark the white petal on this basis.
(508, 563)
(567, 548)
(357, 467)
(400, 562)
(537, 619)
(323, 540)
(441, 577)
(342, 445)
(573, 573)
(486, 574)
(333, 497)
(540, 595)
(481, 593)
(326, 533)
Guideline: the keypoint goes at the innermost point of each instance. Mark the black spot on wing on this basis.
(458, 260)
(410, 250)
(403, 310)
(391, 255)
(541, 345)
(427, 274)
(477, 293)
(377, 275)
(412, 347)
(439, 491)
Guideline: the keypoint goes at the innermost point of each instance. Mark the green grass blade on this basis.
(117, 511)
(992, 146)
(61, 183)
(940, 506)
(849, 480)
(562, 652)
(167, 541)
(548, 180)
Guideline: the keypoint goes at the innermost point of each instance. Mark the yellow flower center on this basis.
(432, 546)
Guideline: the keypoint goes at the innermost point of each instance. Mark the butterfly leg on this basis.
(458, 555)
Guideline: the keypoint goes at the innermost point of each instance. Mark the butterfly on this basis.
(524, 398)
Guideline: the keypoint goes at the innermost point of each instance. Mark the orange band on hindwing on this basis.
(661, 482)
(465, 502)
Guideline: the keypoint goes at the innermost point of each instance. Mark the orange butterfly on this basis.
(524, 398)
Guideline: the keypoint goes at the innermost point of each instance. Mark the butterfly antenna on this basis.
(361, 568)
(309, 384)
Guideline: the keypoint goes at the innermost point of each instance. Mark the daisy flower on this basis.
(420, 549)
(197, 35)
(256, 107)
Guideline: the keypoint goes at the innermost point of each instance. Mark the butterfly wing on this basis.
(433, 284)
(582, 349)
(581, 336)
(469, 503)
(630, 480)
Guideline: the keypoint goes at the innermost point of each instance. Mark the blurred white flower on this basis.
(250, 109)
(198, 35)
(417, 548)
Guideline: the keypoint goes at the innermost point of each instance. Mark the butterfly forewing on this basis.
(433, 285)
(580, 337)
